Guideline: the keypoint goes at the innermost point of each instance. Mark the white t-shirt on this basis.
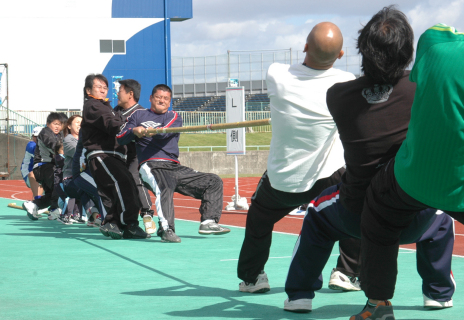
(305, 145)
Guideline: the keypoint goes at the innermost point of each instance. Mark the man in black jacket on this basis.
(128, 98)
(43, 169)
(106, 158)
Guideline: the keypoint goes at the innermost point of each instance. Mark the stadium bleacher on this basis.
(254, 102)
(189, 104)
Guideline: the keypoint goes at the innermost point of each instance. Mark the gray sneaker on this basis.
(169, 236)
(212, 228)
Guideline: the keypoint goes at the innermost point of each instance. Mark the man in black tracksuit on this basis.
(161, 171)
(44, 166)
(106, 158)
(128, 98)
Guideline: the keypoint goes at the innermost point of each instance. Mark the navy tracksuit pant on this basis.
(86, 184)
(327, 221)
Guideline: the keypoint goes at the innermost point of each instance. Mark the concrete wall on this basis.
(254, 162)
(17, 149)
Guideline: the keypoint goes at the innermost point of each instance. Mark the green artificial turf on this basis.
(54, 271)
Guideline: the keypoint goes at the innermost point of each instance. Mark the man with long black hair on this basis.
(428, 170)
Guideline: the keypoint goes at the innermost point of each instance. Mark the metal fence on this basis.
(19, 124)
(203, 76)
(22, 122)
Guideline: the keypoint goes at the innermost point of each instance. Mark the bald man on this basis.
(306, 155)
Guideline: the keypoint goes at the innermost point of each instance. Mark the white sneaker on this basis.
(300, 305)
(150, 225)
(433, 304)
(42, 211)
(54, 214)
(94, 218)
(340, 281)
(31, 209)
(260, 286)
(297, 212)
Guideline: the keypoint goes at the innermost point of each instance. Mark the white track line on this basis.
(240, 227)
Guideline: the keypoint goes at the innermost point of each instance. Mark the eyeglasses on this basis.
(165, 98)
(101, 87)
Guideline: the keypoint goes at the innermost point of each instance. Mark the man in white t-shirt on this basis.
(306, 154)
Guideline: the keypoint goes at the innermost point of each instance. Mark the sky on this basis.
(221, 25)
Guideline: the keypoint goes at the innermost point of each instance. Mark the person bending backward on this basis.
(43, 167)
(306, 155)
(128, 98)
(372, 114)
(428, 170)
(106, 159)
(28, 163)
(70, 141)
(161, 171)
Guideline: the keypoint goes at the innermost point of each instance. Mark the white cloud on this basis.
(220, 25)
(425, 15)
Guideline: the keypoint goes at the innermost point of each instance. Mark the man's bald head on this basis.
(323, 46)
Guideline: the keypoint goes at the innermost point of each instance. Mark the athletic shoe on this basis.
(169, 236)
(111, 230)
(64, 219)
(383, 310)
(92, 221)
(434, 304)
(41, 211)
(212, 228)
(340, 281)
(299, 305)
(31, 209)
(133, 231)
(297, 212)
(150, 225)
(98, 222)
(54, 214)
(261, 284)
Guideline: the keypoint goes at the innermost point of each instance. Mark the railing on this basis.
(19, 124)
(221, 148)
(257, 106)
(190, 118)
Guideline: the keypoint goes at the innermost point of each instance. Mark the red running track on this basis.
(187, 208)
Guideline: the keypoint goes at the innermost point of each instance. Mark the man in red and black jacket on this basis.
(161, 171)
(106, 159)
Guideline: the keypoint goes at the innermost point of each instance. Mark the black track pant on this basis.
(44, 175)
(116, 188)
(268, 206)
(144, 196)
(163, 178)
(388, 211)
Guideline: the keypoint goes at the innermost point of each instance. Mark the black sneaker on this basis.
(169, 236)
(111, 230)
(64, 219)
(133, 231)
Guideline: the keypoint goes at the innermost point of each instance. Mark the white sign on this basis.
(235, 112)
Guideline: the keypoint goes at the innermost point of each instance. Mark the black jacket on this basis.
(45, 149)
(99, 127)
